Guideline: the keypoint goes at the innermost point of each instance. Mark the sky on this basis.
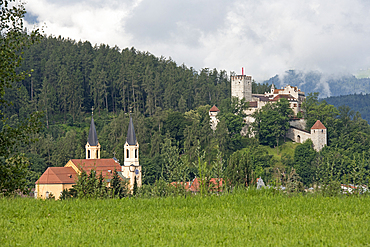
(265, 37)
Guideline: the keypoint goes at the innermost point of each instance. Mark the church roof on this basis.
(214, 108)
(104, 166)
(58, 175)
(131, 137)
(318, 125)
(93, 137)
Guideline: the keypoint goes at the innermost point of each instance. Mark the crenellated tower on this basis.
(241, 87)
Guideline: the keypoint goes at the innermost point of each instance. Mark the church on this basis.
(56, 179)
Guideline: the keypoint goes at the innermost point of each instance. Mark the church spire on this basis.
(131, 137)
(92, 146)
(93, 137)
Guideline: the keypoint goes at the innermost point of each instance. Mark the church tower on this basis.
(131, 168)
(92, 146)
(241, 87)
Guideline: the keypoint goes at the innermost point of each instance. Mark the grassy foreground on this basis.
(239, 219)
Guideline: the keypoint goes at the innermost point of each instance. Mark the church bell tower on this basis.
(131, 168)
(92, 146)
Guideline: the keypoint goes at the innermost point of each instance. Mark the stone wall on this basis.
(241, 87)
(319, 139)
(298, 135)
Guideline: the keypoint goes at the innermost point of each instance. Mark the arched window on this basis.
(88, 154)
(97, 154)
(135, 153)
(298, 138)
(127, 153)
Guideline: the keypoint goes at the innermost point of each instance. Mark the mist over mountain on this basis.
(325, 85)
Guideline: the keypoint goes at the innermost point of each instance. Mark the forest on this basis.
(169, 104)
(357, 102)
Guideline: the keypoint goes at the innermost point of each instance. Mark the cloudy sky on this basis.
(265, 37)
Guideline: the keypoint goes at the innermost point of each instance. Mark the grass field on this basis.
(240, 219)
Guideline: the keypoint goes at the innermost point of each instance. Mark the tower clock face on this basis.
(137, 171)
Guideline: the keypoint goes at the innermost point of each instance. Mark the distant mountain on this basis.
(326, 85)
(357, 102)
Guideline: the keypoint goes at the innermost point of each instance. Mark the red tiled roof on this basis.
(58, 175)
(318, 125)
(283, 96)
(276, 91)
(253, 104)
(104, 166)
(214, 108)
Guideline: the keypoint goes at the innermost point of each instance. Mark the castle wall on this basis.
(298, 135)
(299, 123)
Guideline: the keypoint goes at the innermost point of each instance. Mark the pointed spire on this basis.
(93, 137)
(131, 137)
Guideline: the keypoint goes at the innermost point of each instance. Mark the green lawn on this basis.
(240, 219)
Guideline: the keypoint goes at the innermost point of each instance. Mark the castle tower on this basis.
(131, 168)
(318, 136)
(92, 146)
(213, 117)
(241, 87)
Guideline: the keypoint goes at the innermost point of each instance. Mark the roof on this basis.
(318, 125)
(253, 104)
(194, 185)
(93, 137)
(131, 137)
(276, 91)
(283, 96)
(58, 175)
(214, 108)
(104, 166)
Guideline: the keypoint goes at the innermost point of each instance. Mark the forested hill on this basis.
(357, 102)
(70, 77)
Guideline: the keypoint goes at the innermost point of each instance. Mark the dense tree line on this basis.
(357, 102)
(170, 106)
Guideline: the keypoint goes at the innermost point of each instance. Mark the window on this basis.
(97, 154)
(135, 153)
(88, 154)
(127, 153)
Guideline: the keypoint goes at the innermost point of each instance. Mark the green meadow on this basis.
(244, 218)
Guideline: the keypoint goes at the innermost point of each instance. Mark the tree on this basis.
(272, 122)
(13, 166)
(304, 156)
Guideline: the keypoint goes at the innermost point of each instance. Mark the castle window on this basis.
(135, 153)
(97, 154)
(88, 154)
(127, 153)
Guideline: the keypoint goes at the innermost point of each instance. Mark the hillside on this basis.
(357, 102)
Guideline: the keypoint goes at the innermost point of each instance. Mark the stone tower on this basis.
(131, 168)
(241, 87)
(92, 146)
(318, 136)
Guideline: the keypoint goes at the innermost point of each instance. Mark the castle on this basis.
(56, 179)
(241, 87)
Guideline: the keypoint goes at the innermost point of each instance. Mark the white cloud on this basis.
(265, 37)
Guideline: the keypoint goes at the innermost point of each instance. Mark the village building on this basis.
(56, 179)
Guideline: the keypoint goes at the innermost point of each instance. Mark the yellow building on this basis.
(55, 179)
